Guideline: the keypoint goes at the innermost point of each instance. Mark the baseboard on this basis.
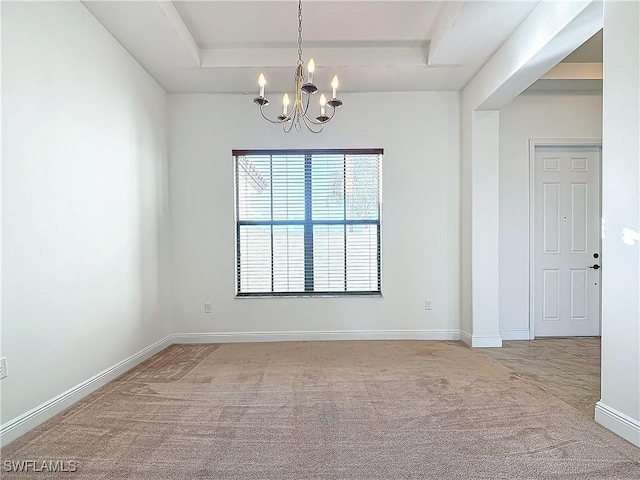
(486, 341)
(34, 417)
(480, 341)
(515, 334)
(619, 423)
(235, 337)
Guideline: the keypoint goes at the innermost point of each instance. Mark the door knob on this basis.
(595, 266)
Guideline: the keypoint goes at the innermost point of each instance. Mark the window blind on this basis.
(308, 222)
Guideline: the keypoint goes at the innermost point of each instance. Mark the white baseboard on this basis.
(619, 423)
(486, 341)
(515, 334)
(34, 417)
(235, 337)
(481, 341)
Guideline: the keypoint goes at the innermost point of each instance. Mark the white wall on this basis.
(619, 407)
(530, 116)
(484, 230)
(420, 238)
(84, 207)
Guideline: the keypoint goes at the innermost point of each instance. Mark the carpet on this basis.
(322, 410)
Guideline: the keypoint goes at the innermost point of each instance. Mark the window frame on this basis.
(308, 223)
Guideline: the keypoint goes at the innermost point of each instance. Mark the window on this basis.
(307, 222)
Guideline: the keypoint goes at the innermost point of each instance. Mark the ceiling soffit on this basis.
(222, 46)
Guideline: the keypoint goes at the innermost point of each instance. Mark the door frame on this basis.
(553, 142)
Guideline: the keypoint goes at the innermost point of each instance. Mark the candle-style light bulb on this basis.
(323, 102)
(262, 82)
(285, 104)
(310, 68)
(334, 85)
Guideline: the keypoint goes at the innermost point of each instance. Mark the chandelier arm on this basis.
(315, 122)
(333, 112)
(308, 123)
(286, 129)
(287, 126)
(306, 107)
(273, 121)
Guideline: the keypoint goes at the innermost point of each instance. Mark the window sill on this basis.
(309, 295)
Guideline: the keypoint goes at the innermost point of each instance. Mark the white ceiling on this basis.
(222, 46)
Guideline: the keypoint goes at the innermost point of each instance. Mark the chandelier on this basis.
(299, 113)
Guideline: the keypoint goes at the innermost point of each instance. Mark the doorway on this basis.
(565, 241)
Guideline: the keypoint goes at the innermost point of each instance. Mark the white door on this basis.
(566, 250)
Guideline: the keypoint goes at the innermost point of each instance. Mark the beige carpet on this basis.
(325, 410)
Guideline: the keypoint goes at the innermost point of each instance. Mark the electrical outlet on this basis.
(3, 367)
(428, 305)
(207, 307)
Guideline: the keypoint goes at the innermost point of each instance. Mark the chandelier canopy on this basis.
(299, 113)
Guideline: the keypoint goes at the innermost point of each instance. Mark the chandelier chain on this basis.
(300, 62)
